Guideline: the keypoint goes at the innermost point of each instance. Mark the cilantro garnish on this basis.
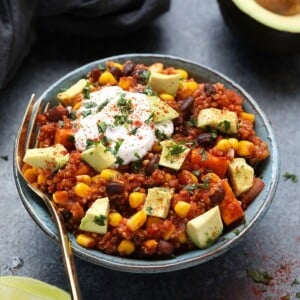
(89, 104)
(117, 146)
(102, 126)
(160, 135)
(149, 210)
(225, 124)
(260, 276)
(176, 149)
(119, 160)
(290, 176)
(100, 220)
(200, 186)
(86, 113)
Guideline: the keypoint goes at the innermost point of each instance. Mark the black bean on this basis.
(115, 188)
(128, 68)
(152, 165)
(95, 74)
(206, 139)
(66, 214)
(164, 248)
(218, 196)
(117, 72)
(210, 89)
(186, 104)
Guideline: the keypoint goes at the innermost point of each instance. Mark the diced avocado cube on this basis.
(161, 110)
(223, 120)
(95, 219)
(241, 175)
(158, 201)
(98, 157)
(49, 158)
(68, 95)
(164, 83)
(205, 229)
(173, 154)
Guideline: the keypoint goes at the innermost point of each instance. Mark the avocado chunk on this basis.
(223, 120)
(98, 157)
(95, 219)
(173, 154)
(261, 29)
(241, 175)
(205, 229)
(164, 83)
(68, 95)
(49, 158)
(161, 110)
(158, 201)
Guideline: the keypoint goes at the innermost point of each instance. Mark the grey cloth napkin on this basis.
(19, 20)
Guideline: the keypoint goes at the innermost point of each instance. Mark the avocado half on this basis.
(259, 28)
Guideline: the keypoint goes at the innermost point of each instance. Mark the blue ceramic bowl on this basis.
(269, 171)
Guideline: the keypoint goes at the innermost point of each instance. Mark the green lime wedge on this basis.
(16, 288)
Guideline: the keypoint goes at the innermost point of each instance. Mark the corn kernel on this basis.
(84, 178)
(247, 116)
(126, 247)
(182, 238)
(168, 177)
(31, 175)
(234, 143)
(107, 78)
(182, 208)
(120, 66)
(136, 199)
(187, 88)
(223, 145)
(114, 219)
(245, 148)
(183, 73)
(167, 97)
(41, 179)
(85, 240)
(82, 190)
(156, 67)
(76, 106)
(60, 196)
(109, 174)
(137, 220)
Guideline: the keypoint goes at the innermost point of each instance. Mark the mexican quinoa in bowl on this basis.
(145, 161)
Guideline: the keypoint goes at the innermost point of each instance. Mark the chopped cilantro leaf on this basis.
(160, 135)
(260, 276)
(100, 220)
(102, 126)
(225, 124)
(290, 176)
(149, 210)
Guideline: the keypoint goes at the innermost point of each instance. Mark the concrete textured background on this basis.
(194, 30)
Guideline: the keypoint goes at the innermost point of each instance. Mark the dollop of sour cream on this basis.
(121, 120)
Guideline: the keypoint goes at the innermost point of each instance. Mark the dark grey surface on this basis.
(193, 30)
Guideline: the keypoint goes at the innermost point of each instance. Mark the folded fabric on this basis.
(20, 19)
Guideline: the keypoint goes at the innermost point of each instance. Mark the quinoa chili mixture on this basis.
(143, 161)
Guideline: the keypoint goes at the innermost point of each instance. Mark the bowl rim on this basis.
(182, 261)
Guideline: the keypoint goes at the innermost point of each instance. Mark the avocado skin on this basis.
(255, 35)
